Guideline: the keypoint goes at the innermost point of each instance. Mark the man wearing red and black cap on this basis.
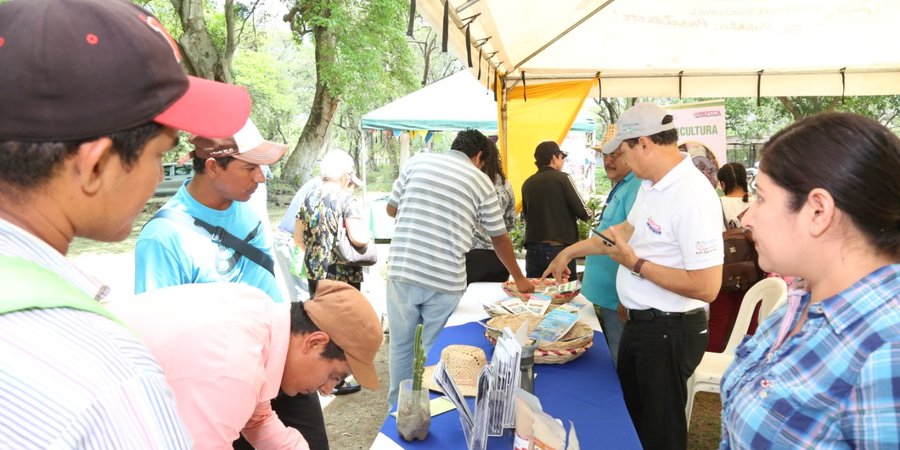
(92, 94)
(551, 207)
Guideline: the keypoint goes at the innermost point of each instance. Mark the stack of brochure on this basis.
(505, 370)
(537, 305)
(495, 397)
(571, 286)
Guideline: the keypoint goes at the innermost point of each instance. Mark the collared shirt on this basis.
(831, 385)
(677, 223)
(440, 198)
(75, 379)
(599, 281)
(223, 347)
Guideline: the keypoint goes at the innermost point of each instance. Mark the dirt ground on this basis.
(353, 421)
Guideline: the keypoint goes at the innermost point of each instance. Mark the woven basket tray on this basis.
(574, 344)
(557, 299)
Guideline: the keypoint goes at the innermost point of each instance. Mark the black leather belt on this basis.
(653, 313)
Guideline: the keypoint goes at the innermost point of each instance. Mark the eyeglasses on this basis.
(612, 156)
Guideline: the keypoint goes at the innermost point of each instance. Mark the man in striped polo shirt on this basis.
(437, 201)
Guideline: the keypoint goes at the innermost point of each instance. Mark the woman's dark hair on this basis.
(302, 324)
(469, 142)
(854, 158)
(25, 165)
(200, 164)
(734, 175)
(492, 165)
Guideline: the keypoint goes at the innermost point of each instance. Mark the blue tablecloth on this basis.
(585, 391)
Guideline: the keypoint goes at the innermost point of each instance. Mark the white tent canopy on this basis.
(689, 48)
(454, 103)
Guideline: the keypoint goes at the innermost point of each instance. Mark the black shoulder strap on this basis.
(220, 236)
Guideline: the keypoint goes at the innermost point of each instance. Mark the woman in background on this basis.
(733, 181)
(724, 310)
(328, 205)
(823, 371)
(482, 263)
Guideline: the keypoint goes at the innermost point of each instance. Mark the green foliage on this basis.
(594, 205)
(165, 12)
(280, 76)
(418, 360)
(381, 179)
(517, 235)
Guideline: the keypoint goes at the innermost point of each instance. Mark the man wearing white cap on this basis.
(172, 249)
(670, 254)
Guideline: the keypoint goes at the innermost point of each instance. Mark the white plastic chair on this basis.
(772, 292)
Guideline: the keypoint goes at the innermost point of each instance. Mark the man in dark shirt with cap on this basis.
(550, 206)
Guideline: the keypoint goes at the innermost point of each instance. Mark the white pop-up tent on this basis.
(690, 48)
(454, 103)
(544, 57)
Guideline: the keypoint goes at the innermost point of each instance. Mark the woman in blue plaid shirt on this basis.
(823, 371)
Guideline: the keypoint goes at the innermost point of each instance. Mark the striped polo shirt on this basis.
(75, 379)
(440, 199)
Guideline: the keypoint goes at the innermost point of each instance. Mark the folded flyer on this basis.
(555, 325)
(538, 304)
(513, 305)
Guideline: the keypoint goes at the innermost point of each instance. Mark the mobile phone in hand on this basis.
(609, 242)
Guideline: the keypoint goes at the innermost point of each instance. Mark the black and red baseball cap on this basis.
(78, 69)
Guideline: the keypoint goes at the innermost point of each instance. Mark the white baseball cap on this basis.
(642, 119)
(246, 145)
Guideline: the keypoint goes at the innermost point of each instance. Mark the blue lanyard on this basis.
(608, 199)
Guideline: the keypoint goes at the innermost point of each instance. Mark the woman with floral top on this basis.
(482, 263)
(324, 208)
(824, 370)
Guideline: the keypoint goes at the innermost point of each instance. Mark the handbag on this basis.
(740, 269)
(347, 254)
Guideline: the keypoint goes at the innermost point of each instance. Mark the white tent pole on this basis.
(404, 148)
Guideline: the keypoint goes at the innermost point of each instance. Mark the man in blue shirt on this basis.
(170, 252)
(599, 282)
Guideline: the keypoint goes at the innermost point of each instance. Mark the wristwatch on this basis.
(636, 270)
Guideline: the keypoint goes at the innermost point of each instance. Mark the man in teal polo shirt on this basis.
(599, 283)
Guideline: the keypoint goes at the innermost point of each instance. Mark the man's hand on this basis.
(558, 268)
(524, 285)
(621, 253)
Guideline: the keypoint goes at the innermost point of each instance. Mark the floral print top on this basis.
(323, 209)
(507, 200)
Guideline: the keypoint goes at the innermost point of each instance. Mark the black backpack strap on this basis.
(219, 235)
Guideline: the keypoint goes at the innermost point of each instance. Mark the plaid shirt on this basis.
(835, 384)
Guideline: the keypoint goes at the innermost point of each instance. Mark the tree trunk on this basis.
(314, 138)
(201, 55)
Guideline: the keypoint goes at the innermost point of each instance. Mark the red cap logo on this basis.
(157, 27)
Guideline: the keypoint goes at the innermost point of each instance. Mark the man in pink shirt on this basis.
(226, 349)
